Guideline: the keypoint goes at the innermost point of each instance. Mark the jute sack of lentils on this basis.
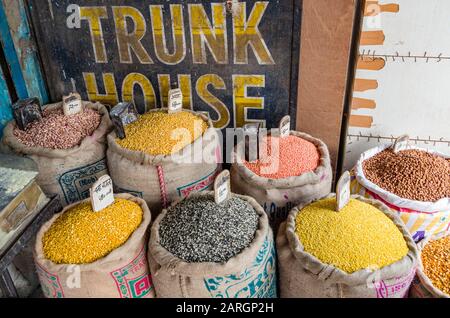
(81, 253)
(70, 151)
(142, 164)
(414, 183)
(363, 251)
(433, 275)
(303, 174)
(200, 249)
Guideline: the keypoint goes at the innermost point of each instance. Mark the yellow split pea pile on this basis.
(81, 236)
(436, 263)
(161, 133)
(357, 237)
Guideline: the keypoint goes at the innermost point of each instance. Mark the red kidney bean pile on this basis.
(57, 131)
(410, 174)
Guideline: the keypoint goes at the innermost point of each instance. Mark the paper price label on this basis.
(121, 115)
(401, 143)
(102, 193)
(27, 111)
(285, 126)
(72, 104)
(222, 188)
(175, 100)
(343, 191)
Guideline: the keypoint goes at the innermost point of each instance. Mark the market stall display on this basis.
(69, 150)
(296, 170)
(164, 157)
(201, 249)
(83, 253)
(413, 182)
(363, 250)
(433, 276)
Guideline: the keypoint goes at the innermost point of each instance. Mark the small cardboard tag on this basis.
(222, 188)
(175, 100)
(72, 104)
(343, 191)
(401, 143)
(27, 111)
(121, 115)
(102, 194)
(285, 126)
(251, 135)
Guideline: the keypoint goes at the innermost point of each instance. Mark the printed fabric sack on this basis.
(305, 276)
(422, 287)
(123, 273)
(279, 196)
(66, 172)
(162, 179)
(422, 219)
(249, 274)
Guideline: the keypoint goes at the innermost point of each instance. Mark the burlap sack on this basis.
(422, 287)
(66, 172)
(123, 273)
(279, 196)
(162, 179)
(249, 274)
(422, 219)
(303, 275)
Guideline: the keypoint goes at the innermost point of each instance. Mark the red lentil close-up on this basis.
(285, 157)
(57, 131)
(410, 174)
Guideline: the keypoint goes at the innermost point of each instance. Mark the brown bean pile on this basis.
(411, 174)
(57, 131)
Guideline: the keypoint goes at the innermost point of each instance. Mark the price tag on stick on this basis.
(121, 115)
(27, 111)
(401, 143)
(102, 193)
(343, 191)
(251, 141)
(222, 188)
(72, 104)
(285, 126)
(175, 100)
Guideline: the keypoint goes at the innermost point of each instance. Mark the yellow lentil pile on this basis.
(158, 133)
(81, 236)
(359, 236)
(436, 263)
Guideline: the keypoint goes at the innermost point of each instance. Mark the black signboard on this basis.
(238, 60)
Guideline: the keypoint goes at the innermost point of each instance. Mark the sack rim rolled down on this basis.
(137, 235)
(315, 266)
(166, 260)
(103, 128)
(145, 158)
(425, 206)
(424, 280)
(306, 178)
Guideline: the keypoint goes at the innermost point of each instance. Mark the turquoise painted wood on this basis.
(21, 56)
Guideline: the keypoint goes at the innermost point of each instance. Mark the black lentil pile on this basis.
(199, 230)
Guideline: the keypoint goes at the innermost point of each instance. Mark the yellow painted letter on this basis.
(203, 34)
(223, 114)
(130, 41)
(242, 102)
(110, 96)
(94, 15)
(159, 36)
(246, 33)
(133, 79)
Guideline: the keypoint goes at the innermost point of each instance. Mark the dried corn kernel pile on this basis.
(436, 263)
(81, 236)
(160, 133)
(285, 157)
(359, 236)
